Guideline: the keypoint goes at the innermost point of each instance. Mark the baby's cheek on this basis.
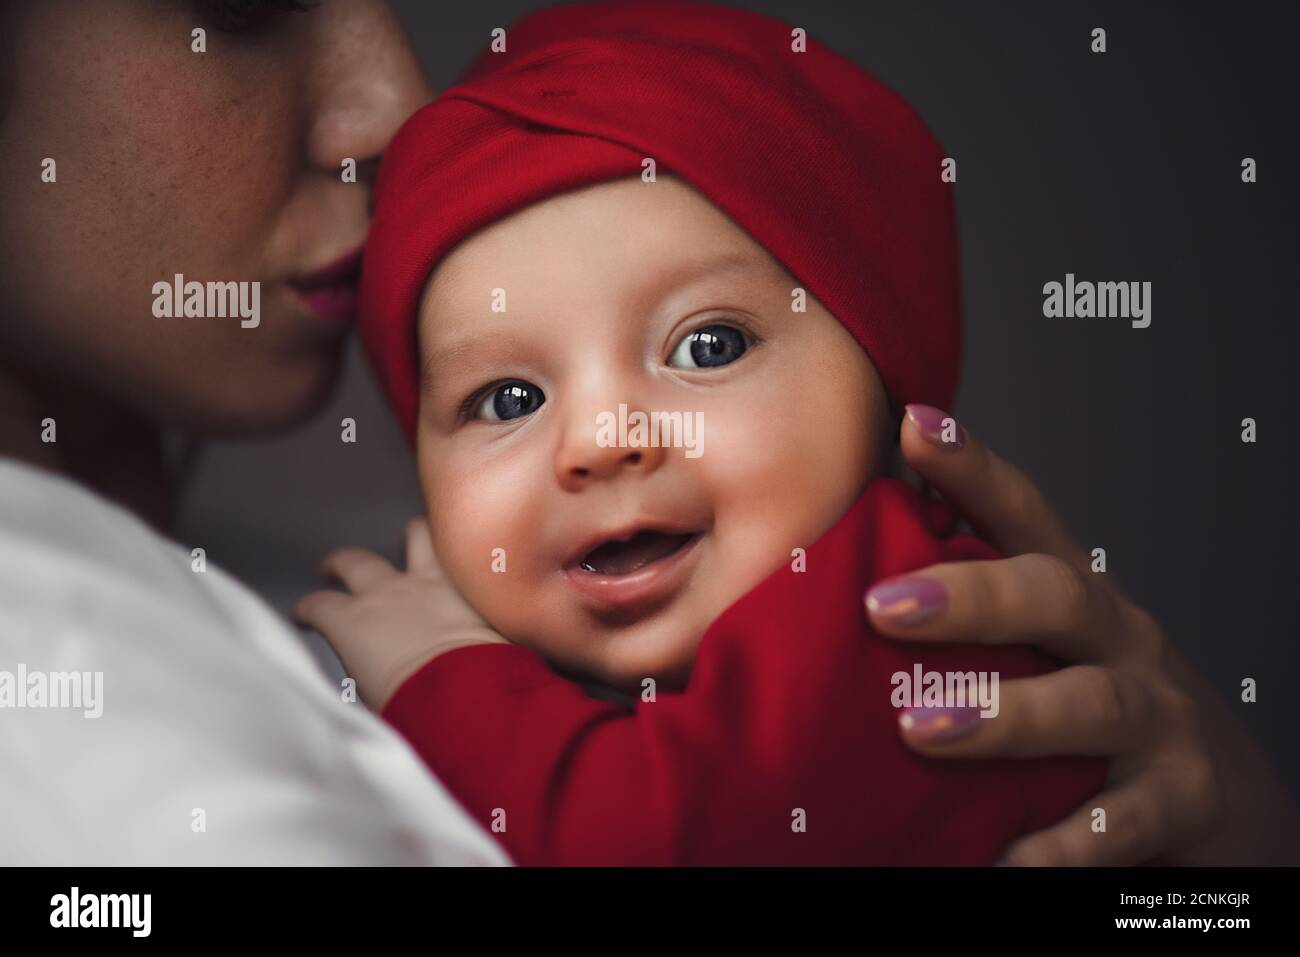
(469, 537)
(760, 461)
(780, 476)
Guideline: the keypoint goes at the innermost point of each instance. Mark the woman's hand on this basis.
(1186, 784)
(390, 623)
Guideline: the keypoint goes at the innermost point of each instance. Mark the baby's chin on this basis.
(647, 637)
(623, 658)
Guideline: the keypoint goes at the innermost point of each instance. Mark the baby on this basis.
(558, 246)
(614, 560)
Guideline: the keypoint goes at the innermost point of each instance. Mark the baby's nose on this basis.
(604, 445)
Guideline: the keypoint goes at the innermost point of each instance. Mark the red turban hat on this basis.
(817, 160)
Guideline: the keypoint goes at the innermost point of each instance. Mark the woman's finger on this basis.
(419, 547)
(1037, 599)
(998, 499)
(1156, 810)
(1081, 710)
(356, 568)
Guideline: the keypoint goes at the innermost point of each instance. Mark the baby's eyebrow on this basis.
(728, 262)
(483, 350)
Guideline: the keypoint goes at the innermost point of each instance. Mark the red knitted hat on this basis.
(817, 160)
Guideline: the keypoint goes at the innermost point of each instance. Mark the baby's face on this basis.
(612, 560)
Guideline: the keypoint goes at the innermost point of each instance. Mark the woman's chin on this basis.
(249, 403)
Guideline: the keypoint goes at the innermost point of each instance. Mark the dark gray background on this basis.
(1122, 166)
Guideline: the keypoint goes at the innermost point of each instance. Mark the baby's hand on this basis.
(390, 623)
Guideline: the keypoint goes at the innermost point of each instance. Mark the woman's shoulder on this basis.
(146, 687)
(48, 517)
(76, 567)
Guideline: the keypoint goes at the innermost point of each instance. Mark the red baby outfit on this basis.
(787, 709)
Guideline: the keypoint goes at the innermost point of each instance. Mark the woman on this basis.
(218, 742)
(225, 165)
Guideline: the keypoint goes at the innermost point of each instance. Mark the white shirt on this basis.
(220, 739)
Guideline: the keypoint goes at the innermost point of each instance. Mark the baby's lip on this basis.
(624, 533)
(631, 595)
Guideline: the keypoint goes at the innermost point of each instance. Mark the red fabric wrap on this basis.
(822, 164)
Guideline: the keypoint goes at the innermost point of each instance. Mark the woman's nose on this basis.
(600, 445)
(366, 82)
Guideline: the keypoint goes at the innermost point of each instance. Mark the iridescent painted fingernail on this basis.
(907, 601)
(938, 724)
(938, 427)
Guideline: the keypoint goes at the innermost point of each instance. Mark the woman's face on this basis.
(222, 166)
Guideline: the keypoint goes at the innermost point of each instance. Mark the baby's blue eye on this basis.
(708, 347)
(510, 400)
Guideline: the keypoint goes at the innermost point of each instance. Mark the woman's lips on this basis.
(331, 292)
(335, 303)
(646, 585)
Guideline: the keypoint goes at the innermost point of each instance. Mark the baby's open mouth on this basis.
(627, 573)
(614, 558)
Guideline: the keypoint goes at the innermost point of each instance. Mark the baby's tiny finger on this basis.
(419, 546)
(356, 568)
(318, 609)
